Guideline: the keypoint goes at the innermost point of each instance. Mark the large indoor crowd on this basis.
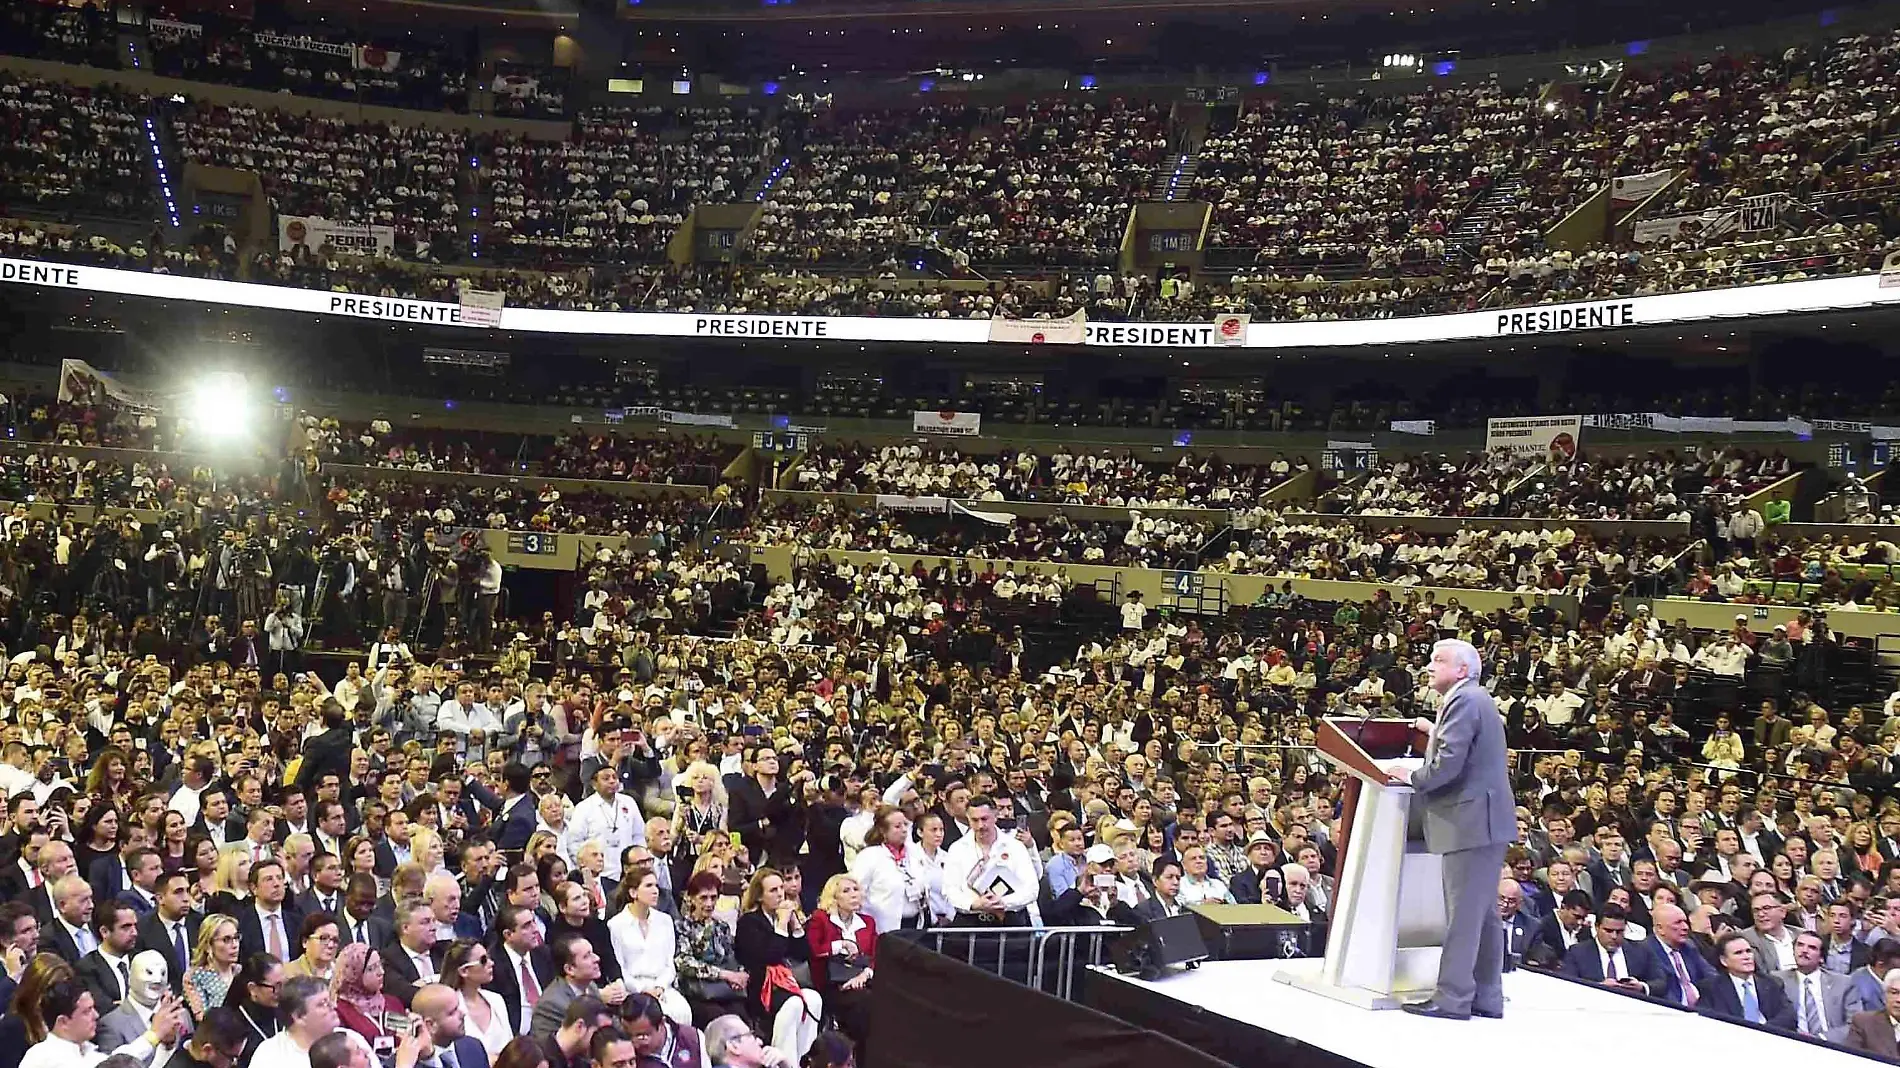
(265, 786)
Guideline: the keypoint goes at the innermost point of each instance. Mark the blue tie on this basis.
(1751, 1006)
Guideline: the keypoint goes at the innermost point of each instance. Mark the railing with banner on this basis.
(1046, 958)
(1837, 293)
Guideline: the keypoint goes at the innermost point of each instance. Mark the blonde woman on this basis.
(234, 880)
(695, 818)
(425, 846)
(214, 964)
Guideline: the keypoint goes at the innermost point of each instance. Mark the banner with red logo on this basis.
(1072, 330)
(954, 424)
(1231, 329)
(370, 57)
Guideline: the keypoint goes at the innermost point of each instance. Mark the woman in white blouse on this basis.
(468, 969)
(643, 942)
(1197, 886)
(888, 868)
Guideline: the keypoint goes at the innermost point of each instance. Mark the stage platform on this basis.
(1238, 1011)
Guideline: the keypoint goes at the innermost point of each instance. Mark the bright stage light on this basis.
(219, 406)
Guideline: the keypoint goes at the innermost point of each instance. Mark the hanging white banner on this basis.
(1632, 188)
(314, 233)
(895, 502)
(1070, 330)
(481, 307)
(1536, 435)
(305, 44)
(952, 424)
(1704, 227)
(82, 383)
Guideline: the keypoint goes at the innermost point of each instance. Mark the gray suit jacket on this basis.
(1840, 1000)
(123, 1025)
(552, 1008)
(1465, 784)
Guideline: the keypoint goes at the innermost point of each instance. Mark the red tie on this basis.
(530, 989)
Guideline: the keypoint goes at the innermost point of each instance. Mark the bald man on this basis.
(1688, 969)
(440, 1009)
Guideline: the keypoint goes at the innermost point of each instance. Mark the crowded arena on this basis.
(673, 534)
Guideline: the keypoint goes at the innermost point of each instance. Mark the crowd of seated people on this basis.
(664, 458)
(1364, 181)
(1656, 486)
(385, 174)
(1169, 750)
(71, 150)
(405, 72)
(616, 191)
(68, 33)
(1049, 182)
(1062, 477)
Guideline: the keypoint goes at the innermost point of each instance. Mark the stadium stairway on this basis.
(1175, 176)
(1480, 216)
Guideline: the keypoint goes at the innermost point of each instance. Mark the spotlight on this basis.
(219, 406)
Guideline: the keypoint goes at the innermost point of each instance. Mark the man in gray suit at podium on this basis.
(1470, 817)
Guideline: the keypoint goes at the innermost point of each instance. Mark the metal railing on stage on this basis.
(1046, 958)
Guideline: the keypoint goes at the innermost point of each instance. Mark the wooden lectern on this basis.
(1388, 919)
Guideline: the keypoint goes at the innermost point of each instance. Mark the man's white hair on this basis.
(1462, 652)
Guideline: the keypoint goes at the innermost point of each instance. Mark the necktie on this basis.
(275, 936)
(1811, 1023)
(83, 939)
(1610, 965)
(1689, 994)
(125, 979)
(1751, 1005)
(530, 988)
(178, 947)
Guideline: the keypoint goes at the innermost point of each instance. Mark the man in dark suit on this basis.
(107, 971)
(1686, 971)
(516, 822)
(326, 887)
(215, 818)
(171, 928)
(268, 922)
(414, 958)
(518, 943)
(1519, 928)
(142, 867)
(329, 751)
(1738, 993)
(358, 921)
(440, 1010)
(67, 932)
(1607, 959)
(1470, 817)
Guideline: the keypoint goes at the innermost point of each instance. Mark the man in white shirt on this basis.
(609, 817)
(305, 1004)
(987, 875)
(198, 773)
(74, 1019)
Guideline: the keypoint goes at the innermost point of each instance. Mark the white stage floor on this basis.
(1593, 1026)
